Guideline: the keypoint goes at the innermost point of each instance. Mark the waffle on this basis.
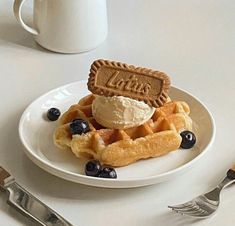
(117, 147)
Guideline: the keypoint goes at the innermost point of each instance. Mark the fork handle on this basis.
(231, 173)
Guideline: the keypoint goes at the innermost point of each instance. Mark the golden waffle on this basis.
(120, 147)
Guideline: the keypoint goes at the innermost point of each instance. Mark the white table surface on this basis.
(191, 40)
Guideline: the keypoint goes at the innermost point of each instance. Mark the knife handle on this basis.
(27, 204)
(33, 208)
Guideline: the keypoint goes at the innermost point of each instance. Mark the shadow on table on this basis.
(16, 35)
(171, 218)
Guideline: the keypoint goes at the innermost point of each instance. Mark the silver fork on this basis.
(205, 205)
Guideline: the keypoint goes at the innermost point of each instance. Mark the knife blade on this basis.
(27, 204)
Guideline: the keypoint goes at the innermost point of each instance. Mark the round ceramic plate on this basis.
(36, 135)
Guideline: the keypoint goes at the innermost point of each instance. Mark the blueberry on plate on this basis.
(188, 139)
(108, 172)
(93, 168)
(79, 126)
(53, 114)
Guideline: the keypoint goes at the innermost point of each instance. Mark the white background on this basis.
(191, 40)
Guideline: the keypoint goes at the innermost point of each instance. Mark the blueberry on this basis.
(108, 172)
(53, 114)
(79, 126)
(93, 168)
(188, 139)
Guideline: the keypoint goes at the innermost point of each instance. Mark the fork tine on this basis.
(194, 214)
(182, 206)
(195, 211)
(192, 211)
(194, 207)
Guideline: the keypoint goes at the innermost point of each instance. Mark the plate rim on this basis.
(139, 181)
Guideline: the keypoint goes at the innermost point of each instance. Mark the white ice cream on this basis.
(120, 112)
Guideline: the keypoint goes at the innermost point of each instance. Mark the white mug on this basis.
(67, 26)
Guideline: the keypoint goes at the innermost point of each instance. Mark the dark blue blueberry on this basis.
(108, 172)
(79, 126)
(188, 139)
(53, 114)
(93, 168)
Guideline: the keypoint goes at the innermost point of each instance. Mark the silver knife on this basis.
(27, 204)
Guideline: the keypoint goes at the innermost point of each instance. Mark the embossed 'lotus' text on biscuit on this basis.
(109, 78)
(129, 84)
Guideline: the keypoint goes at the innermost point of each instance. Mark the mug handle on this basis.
(17, 11)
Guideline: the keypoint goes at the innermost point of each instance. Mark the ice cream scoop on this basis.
(120, 112)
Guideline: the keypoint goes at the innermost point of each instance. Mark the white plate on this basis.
(36, 135)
